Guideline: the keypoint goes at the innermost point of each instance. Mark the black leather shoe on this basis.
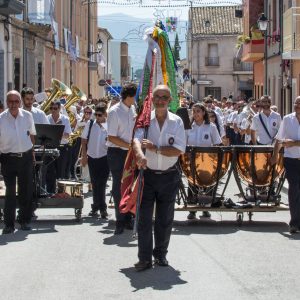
(103, 214)
(8, 230)
(25, 227)
(93, 213)
(162, 261)
(293, 229)
(119, 230)
(143, 265)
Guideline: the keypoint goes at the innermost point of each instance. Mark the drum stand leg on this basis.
(236, 176)
(78, 212)
(239, 218)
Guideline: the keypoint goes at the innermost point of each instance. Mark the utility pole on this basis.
(266, 50)
(131, 73)
(25, 19)
(89, 41)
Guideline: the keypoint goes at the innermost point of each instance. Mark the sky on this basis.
(148, 12)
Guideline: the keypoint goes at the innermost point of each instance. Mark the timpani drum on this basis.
(252, 166)
(204, 167)
(72, 188)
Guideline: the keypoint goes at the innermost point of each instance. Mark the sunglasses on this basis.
(98, 115)
(53, 108)
(164, 98)
(88, 112)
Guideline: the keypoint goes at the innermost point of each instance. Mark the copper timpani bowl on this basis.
(204, 166)
(252, 164)
(73, 188)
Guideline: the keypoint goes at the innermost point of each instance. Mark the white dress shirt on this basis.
(244, 126)
(96, 147)
(205, 135)
(39, 117)
(272, 122)
(290, 129)
(120, 123)
(15, 132)
(171, 134)
(62, 120)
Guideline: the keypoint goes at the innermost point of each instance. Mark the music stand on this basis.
(47, 135)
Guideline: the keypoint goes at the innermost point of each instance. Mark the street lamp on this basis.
(262, 22)
(99, 46)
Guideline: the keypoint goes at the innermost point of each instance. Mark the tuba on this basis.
(75, 95)
(59, 89)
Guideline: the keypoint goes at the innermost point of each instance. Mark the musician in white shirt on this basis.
(58, 169)
(16, 147)
(94, 153)
(265, 124)
(39, 117)
(203, 134)
(289, 137)
(120, 123)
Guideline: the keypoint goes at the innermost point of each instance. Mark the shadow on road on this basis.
(158, 278)
(20, 235)
(226, 227)
(122, 240)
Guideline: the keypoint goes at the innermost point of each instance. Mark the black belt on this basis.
(161, 172)
(18, 155)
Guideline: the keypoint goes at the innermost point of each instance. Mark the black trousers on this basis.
(292, 168)
(58, 168)
(99, 171)
(116, 159)
(18, 169)
(162, 189)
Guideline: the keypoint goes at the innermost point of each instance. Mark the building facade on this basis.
(50, 39)
(213, 65)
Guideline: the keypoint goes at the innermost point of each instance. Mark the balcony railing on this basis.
(291, 33)
(239, 65)
(212, 61)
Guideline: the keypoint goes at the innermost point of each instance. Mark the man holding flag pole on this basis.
(165, 142)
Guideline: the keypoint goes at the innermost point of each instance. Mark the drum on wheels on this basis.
(204, 167)
(72, 188)
(252, 167)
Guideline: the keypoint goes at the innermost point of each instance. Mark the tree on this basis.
(176, 48)
(138, 73)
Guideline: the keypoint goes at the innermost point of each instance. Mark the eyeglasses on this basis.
(88, 112)
(98, 115)
(53, 108)
(164, 98)
(13, 102)
(212, 116)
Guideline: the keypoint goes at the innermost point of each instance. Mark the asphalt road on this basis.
(209, 259)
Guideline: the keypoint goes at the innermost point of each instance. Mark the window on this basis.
(212, 58)
(40, 76)
(17, 74)
(214, 91)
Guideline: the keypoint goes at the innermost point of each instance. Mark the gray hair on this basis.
(13, 92)
(162, 87)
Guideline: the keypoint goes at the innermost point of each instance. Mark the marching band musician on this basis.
(120, 123)
(17, 132)
(94, 153)
(289, 137)
(58, 168)
(165, 142)
(75, 148)
(203, 133)
(39, 117)
(265, 124)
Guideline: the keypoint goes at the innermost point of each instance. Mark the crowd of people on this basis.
(107, 132)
